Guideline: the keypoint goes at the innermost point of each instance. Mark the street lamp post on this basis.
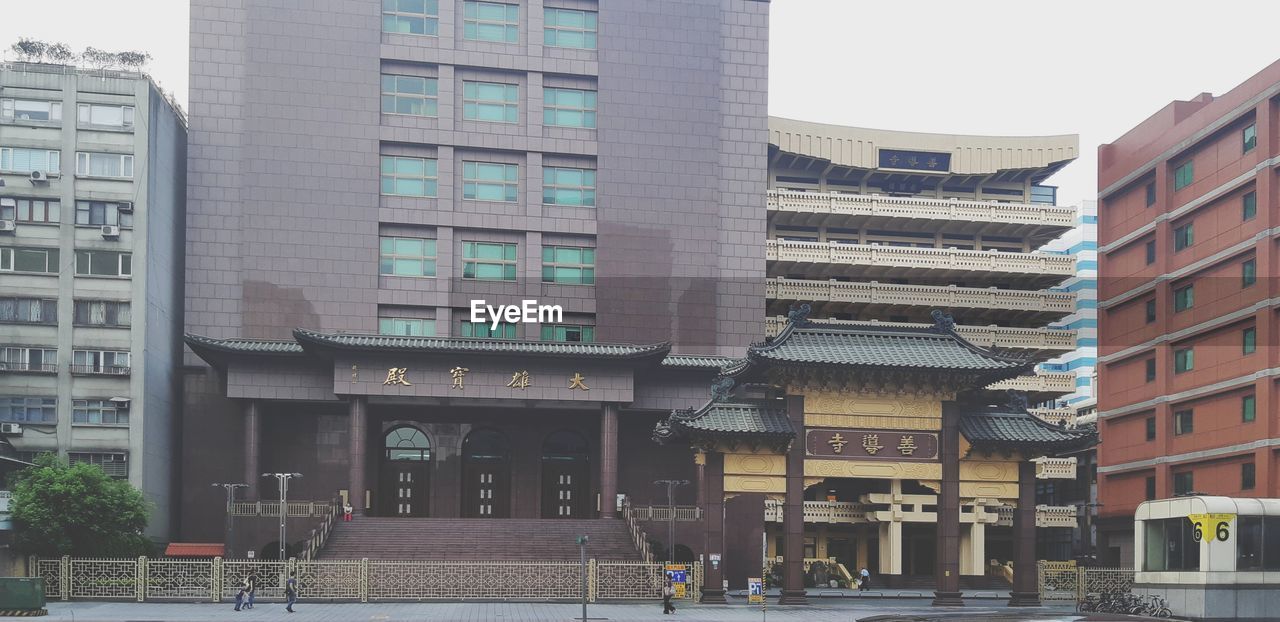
(231, 498)
(282, 479)
(671, 508)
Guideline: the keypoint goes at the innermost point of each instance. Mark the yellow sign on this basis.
(679, 575)
(1212, 526)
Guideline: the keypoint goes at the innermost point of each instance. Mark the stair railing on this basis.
(638, 537)
(320, 535)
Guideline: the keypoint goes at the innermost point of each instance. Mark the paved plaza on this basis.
(824, 610)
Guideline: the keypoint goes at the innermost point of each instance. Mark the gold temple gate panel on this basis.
(748, 483)
(988, 471)
(994, 490)
(879, 469)
(855, 410)
(755, 464)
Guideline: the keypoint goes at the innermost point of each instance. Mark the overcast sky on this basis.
(1088, 67)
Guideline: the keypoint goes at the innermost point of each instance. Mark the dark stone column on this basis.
(947, 593)
(608, 461)
(713, 585)
(252, 447)
(1026, 583)
(793, 511)
(358, 405)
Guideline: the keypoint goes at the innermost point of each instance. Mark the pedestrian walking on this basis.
(346, 512)
(668, 591)
(291, 592)
(240, 598)
(251, 583)
(864, 582)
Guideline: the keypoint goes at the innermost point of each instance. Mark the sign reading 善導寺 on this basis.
(859, 444)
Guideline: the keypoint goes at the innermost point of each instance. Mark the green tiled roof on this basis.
(246, 346)
(452, 345)
(747, 419)
(814, 343)
(1021, 430)
(696, 361)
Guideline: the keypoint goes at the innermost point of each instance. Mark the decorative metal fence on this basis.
(365, 580)
(1065, 581)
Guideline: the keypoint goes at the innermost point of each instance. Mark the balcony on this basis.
(100, 370)
(1040, 223)
(970, 304)
(1046, 516)
(1065, 416)
(827, 259)
(29, 368)
(662, 513)
(1042, 341)
(1040, 386)
(1055, 468)
(818, 512)
(317, 509)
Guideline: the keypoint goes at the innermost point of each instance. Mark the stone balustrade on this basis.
(933, 296)
(1055, 468)
(1046, 516)
(983, 336)
(818, 512)
(1055, 415)
(922, 258)
(919, 208)
(1040, 382)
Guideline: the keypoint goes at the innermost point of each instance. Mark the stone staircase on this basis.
(460, 539)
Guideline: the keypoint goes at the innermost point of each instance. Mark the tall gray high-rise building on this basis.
(358, 167)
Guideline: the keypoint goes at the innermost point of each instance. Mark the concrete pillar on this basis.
(890, 535)
(947, 572)
(252, 449)
(973, 543)
(357, 407)
(793, 511)
(713, 522)
(1026, 590)
(608, 461)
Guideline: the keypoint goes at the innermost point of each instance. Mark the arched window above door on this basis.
(485, 443)
(407, 443)
(564, 445)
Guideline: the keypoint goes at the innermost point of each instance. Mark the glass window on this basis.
(1249, 340)
(102, 313)
(30, 110)
(568, 332)
(103, 213)
(1151, 488)
(106, 115)
(1250, 138)
(569, 107)
(412, 17)
(411, 177)
(99, 362)
(104, 164)
(407, 443)
(1184, 298)
(407, 256)
(1247, 476)
(490, 181)
(1170, 543)
(491, 101)
(102, 412)
(114, 465)
(1249, 543)
(568, 186)
(1151, 370)
(1183, 422)
(29, 310)
(1184, 360)
(29, 260)
(20, 409)
(1151, 252)
(569, 28)
(18, 160)
(1184, 236)
(19, 358)
(1151, 428)
(1151, 311)
(412, 95)
(104, 263)
(490, 21)
(1249, 410)
(489, 261)
(1248, 273)
(1183, 483)
(30, 210)
(406, 327)
(485, 330)
(571, 265)
(1250, 205)
(1183, 175)
(1151, 193)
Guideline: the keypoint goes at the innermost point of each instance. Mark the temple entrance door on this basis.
(564, 476)
(486, 475)
(919, 549)
(405, 472)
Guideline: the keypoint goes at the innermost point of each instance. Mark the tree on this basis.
(99, 59)
(30, 50)
(133, 59)
(60, 53)
(75, 509)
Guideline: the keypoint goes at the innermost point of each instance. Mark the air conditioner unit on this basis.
(8, 202)
(39, 176)
(110, 231)
(126, 206)
(8, 226)
(10, 428)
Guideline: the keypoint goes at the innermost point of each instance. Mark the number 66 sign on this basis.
(1213, 526)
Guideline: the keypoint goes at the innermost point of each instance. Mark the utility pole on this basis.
(671, 508)
(231, 498)
(582, 545)
(282, 479)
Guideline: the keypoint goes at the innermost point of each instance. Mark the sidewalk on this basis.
(826, 610)
(814, 592)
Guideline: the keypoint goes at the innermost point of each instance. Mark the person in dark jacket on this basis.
(291, 592)
(668, 591)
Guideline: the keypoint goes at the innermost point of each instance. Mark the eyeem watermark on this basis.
(527, 312)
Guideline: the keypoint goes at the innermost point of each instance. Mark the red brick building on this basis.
(1188, 222)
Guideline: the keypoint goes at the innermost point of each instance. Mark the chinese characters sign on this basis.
(915, 160)
(902, 445)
